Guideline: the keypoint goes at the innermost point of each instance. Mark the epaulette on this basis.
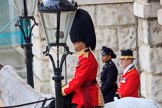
(84, 52)
(85, 55)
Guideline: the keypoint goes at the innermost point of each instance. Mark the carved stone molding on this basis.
(84, 2)
(145, 9)
(160, 16)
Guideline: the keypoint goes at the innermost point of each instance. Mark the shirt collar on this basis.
(127, 68)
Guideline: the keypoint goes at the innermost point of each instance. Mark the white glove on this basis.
(115, 98)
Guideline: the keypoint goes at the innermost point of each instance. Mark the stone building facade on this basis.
(119, 24)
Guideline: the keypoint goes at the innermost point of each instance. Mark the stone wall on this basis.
(150, 48)
(119, 24)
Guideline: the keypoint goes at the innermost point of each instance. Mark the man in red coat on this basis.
(86, 92)
(130, 80)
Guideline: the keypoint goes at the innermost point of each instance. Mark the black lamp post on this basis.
(25, 10)
(63, 12)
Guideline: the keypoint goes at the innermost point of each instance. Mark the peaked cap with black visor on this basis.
(83, 29)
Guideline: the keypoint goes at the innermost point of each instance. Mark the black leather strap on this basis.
(89, 83)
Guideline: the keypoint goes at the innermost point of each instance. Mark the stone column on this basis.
(150, 48)
(160, 14)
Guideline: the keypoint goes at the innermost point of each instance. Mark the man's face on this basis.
(125, 62)
(106, 58)
(78, 46)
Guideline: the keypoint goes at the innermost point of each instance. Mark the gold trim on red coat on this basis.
(100, 97)
(130, 70)
(83, 52)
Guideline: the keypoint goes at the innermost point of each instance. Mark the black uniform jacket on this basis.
(108, 79)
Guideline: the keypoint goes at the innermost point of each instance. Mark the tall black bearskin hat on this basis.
(83, 29)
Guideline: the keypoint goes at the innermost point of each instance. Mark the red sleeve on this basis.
(81, 75)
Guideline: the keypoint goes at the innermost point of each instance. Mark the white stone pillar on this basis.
(150, 50)
(160, 14)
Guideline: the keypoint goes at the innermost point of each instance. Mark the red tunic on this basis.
(85, 71)
(129, 84)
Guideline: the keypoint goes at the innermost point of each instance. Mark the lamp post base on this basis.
(59, 98)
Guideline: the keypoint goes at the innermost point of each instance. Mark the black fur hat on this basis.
(83, 29)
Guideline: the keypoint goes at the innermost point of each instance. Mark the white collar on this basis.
(127, 68)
